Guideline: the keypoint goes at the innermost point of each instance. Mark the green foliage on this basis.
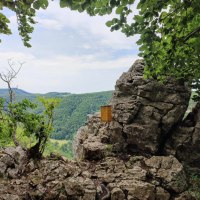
(69, 116)
(169, 37)
(42, 126)
(169, 30)
(20, 114)
(5, 138)
(169, 33)
(63, 149)
(25, 13)
(195, 185)
(49, 104)
(72, 112)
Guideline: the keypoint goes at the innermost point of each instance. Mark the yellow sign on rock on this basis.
(106, 113)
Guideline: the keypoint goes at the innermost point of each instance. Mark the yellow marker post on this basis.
(106, 113)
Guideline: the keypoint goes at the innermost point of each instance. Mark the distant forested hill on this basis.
(72, 112)
(21, 94)
(4, 92)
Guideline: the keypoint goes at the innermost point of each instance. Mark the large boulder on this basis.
(147, 109)
(144, 113)
(169, 171)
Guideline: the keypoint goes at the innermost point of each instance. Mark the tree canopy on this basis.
(25, 12)
(169, 30)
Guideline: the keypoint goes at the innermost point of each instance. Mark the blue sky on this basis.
(71, 52)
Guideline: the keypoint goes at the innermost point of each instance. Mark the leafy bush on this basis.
(37, 126)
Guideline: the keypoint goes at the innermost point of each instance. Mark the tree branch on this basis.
(11, 74)
(8, 78)
(174, 11)
(191, 34)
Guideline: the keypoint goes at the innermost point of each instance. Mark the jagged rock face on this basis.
(112, 178)
(184, 142)
(12, 162)
(148, 109)
(144, 113)
(98, 139)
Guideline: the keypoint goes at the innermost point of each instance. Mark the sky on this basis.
(71, 52)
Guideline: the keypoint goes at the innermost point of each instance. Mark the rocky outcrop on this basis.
(148, 109)
(184, 142)
(147, 122)
(144, 113)
(156, 178)
(120, 160)
(98, 139)
(12, 162)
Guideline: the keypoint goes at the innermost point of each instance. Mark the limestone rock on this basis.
(162, 194)
(117, 194)
(93, 150)
(144, 113)
(148, 109)
(98, 139)
(73, 187)
(11, 197)
(12, 162)
(169, 171)
(137, 177)
(184, 142)
(117, 160)
(8, 160)
(3, 168)
(185, 196)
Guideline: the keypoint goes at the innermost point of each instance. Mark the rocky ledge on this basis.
(148, 120)
(145, 153)
(115, 178)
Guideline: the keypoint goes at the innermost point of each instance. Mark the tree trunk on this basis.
(14, 136)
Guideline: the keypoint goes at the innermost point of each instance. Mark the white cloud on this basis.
(94, 29)
(86, 46)
(67, 73)
(56, 18)
(50, 24)
(71, 52)
(19, 56)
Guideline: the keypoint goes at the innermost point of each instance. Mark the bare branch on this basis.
(9, 76)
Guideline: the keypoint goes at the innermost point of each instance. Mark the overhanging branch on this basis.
(191, 34)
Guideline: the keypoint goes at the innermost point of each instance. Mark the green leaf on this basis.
(98, 4)
(109, 23)
(104, 2)
(44, 4)
(119, 10)
(36, 5)
(64, 3)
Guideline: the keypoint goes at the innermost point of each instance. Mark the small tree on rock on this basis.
(21, 114)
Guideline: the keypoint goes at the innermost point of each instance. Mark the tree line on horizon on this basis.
(72, 111)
